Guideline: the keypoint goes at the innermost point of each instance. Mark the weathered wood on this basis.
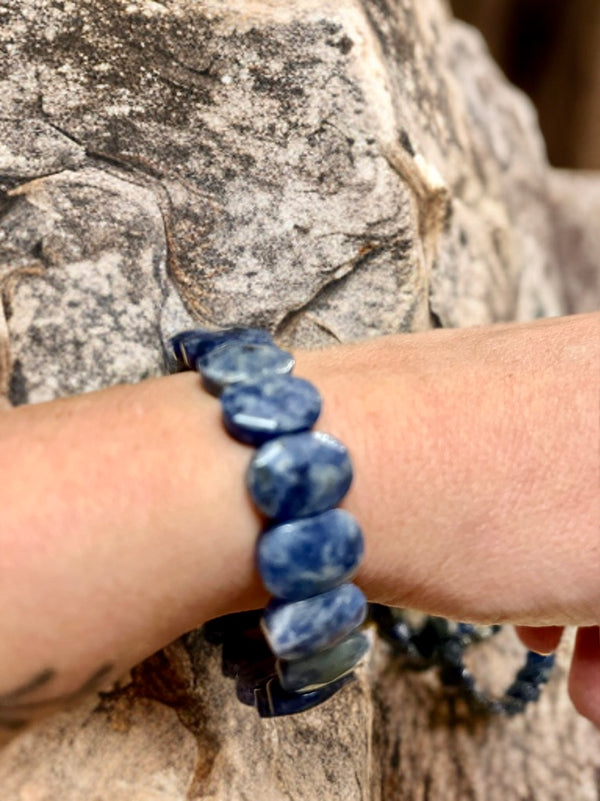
(329, 170)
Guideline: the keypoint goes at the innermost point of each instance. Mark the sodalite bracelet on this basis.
(303, 648)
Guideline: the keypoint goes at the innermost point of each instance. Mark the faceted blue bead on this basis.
(235, 361)
(314, 672)
(299, 475)
(188, 346)
(255, 411)
(273, 701)
(310, 555)
(300, 628)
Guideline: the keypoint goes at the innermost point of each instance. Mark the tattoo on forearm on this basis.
(16, 711)
(25, 689)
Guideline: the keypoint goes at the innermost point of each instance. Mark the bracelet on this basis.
(302, 648)
(439, 643)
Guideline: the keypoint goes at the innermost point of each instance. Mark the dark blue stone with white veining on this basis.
(256, 411)
(310, 555)
(188, 346)
(297, 629)
(299, 475)
(235, 361)
(273, 701)
(314, 672)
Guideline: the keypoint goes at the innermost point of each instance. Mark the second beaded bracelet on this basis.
(310, 550)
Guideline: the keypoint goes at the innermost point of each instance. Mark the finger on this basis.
(542, 640)
(584, 678)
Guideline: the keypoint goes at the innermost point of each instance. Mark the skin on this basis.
(125, 521)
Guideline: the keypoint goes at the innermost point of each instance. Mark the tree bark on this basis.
(329, 170)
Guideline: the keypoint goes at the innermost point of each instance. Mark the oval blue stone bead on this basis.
(234, 362)
(297, 629)
(299, 475)
(310, 555)
(314, 672)
(255, 411)
(188, 346)
(273, 701)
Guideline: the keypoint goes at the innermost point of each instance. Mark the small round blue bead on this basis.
(442, 644)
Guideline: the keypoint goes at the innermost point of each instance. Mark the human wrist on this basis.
(477, 468)
(304, 646)
(141, 529)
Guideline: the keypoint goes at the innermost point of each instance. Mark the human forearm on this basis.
(125, 521)
(124, 524)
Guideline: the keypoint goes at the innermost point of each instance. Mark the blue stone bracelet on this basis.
(305, 645)
(439, 643)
